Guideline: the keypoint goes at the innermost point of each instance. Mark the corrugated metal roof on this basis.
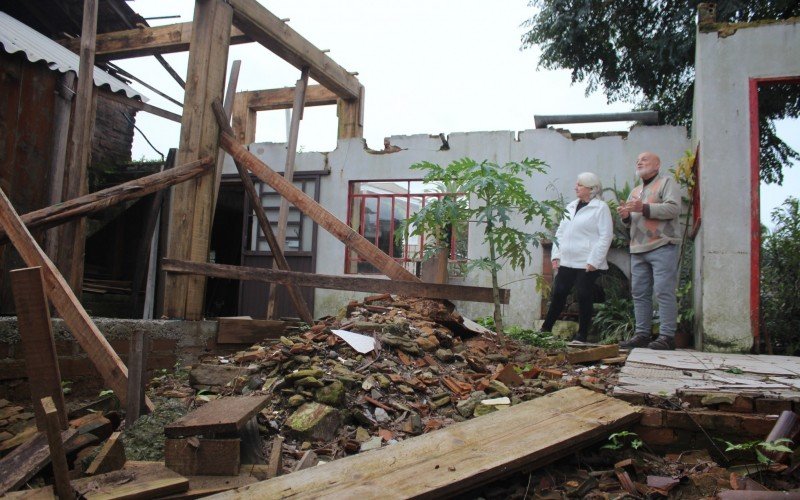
(18, 37)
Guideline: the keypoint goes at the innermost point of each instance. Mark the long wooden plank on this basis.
(192, 202)
(137, 480)
(100, 200)
(462, 456)
(248, 331)
(224, 415)
(137, 370)
(35, 328)
(146, 41)
(283, 98)
(330, 282)
(110, 458)
(100, 352)
(25, 461)
(57, 456)
(316, 212)
(267, 29)
(266, 228)
(141, 106)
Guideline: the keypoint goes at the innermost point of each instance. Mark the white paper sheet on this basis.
(361, 343)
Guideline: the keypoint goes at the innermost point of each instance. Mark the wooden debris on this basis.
(137, 374)
(275, 465)
(309, 459)
(248, 331)
(593, 354)
(57, 455)
(202, 457)
(110, 458)
(135, 480)
(224, 415)
(23, 463)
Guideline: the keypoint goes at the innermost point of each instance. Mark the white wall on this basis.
(612, 157)
(724, 66)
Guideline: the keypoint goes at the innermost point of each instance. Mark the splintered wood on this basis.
(462, 456)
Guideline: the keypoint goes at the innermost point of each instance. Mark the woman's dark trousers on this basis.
(583, 281)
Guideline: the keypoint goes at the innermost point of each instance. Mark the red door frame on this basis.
(755, 200)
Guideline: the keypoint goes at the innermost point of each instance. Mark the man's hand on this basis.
(590, 268)
(623, 212)
(634, 205)
(556, 262)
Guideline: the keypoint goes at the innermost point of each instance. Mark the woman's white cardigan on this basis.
(586, 237)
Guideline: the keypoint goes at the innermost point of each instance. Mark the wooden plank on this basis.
(463, 456)
(100, 200)
(593, 354)
(25, 461)
(230, 95)
(100, 352)
(46, 493)
(61, 119)
(146, 41)
(202, 486)
(202, 457)
(267, 29)
(243, 120)
(223, 415)
(248, 331)
(308, 460)
(137, 480)
(275, 466)
(41, 362)
(283, 98)
(111, 456)
(57, 455)
(266, 228)
(141, 106)
(191, 208)
(330, 282)
(316, 212)
(288, 174)
(72, 238)
(137, 371)
(350, 115)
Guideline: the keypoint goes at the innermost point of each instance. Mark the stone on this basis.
(381, 416)
(295, 400)
(482, 409)
(445, 355)
(498, 387)
(362, 435)
(718, 398)
(441, 400)
(565, 330)
(315, 421)
(382, 380)
(427, 343)
(218, 375)
(300, 374)
(496, 401)
(373, 444)
(309, 382)
(332, 394)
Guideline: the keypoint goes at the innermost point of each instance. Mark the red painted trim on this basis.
(755, 214)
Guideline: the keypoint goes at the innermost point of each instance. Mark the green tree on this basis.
(643, 53)
(501, 199)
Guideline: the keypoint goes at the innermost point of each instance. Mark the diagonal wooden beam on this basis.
(283, 98)
(146, 41)
(91, 340)
(267, 29)
(330, 282)
(141, 106)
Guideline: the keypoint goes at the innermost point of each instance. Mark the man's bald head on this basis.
(647, 165)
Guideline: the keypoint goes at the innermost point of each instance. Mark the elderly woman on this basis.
(582, 242)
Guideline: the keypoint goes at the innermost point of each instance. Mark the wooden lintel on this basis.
(140, 42)
(355, 284)
(141, 106)
(266, 28)
(283, 98)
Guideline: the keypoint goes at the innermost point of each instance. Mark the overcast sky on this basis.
(428, 67)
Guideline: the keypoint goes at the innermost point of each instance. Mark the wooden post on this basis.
(351, 116)
(295, 294)
(137, 370)
(316, 212)
(57, 456)
(288, 174)
(107, 362)
(61, 118)
(192, 202)
(230, 96)
(41, 362)
(72, 240)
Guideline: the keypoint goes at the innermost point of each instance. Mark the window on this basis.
(376, 209)
(299, 228)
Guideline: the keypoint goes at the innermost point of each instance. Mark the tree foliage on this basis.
(643, 52)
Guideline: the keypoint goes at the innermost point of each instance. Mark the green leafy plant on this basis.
(619, 440)
(66, 386)
(106, 392)
(545, 340)
(759, 447)
(501, 204)
(614, 321)
(620, 195)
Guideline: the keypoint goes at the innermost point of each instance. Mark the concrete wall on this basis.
(725, 63)
(611, 156)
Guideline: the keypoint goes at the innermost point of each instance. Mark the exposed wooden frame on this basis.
(283, 98)
(330, 282)
(141, 106)
(91, 340)
(57, 455)
(270, 31)
(192, 202)
(137, 371)
(146, 41)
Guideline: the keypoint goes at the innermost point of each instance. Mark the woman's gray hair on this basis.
(591, 181)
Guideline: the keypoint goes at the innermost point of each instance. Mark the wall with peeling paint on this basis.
(727, 58)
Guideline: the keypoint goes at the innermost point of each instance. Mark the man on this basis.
(652, 211)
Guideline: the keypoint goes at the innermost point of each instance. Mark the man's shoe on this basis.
(638, 340)
(578, 339)
(662, 343)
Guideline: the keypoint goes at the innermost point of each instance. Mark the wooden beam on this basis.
(230, 96)
(283, 98)
(146, 41)
(57, 456)
(270, 31)
(100, 200)
(351, 117)
(288, 174)
(266, 228)
(100, 352)
(72, 238)
(111, 456)
(192, 202)
(26, 460)
(137, 370)
(355, 284)
(220, 416)
(243, 120)
(41, 362)
(463, 456)
(61, 119)
(316, 212)
(141, 106)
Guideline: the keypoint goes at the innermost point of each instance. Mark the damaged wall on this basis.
(612, 157)
(727, 58)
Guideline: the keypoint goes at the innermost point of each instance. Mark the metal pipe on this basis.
(645, 117)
